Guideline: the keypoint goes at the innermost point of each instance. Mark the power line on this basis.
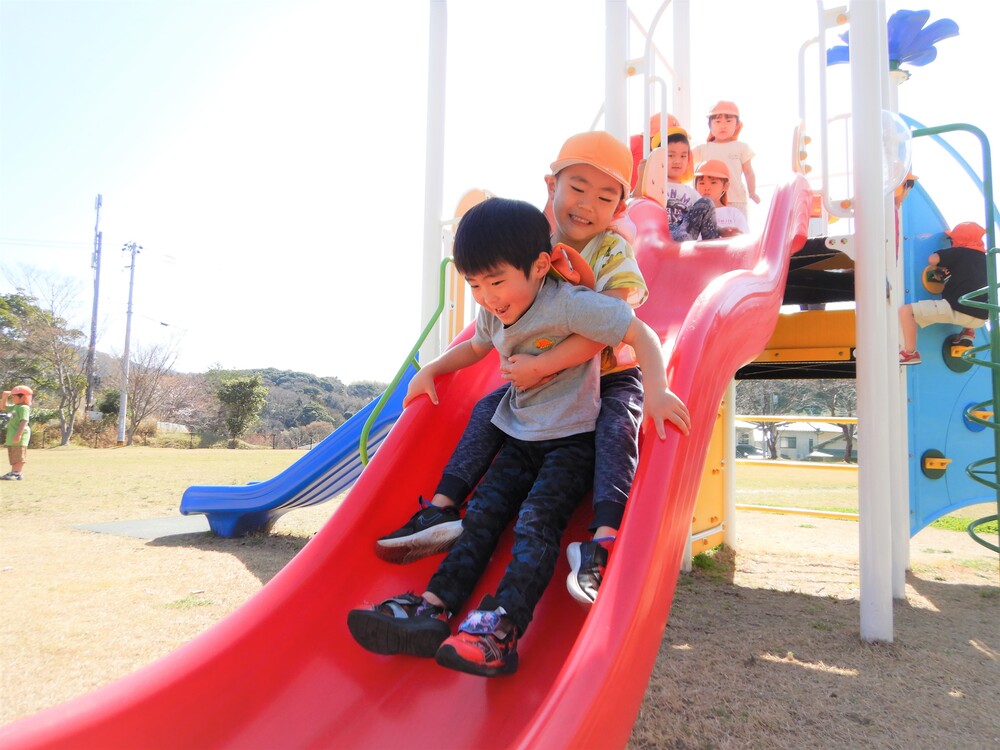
(54, 244)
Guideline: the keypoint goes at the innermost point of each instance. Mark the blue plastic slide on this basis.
(320, 475)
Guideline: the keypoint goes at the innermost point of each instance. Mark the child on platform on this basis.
(545, 463)
(963, 268)
(711, 179)
(723, 143)
(586, 188)
(691, 216)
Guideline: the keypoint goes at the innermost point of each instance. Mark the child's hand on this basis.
(663, 406)
(754, 197)
(522, 372)
(420, 384)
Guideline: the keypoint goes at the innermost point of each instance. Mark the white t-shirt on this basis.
(727, 216)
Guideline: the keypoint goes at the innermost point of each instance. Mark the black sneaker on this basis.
(587, 561)
(404, 624)
(11, 476)
(429, 530)
(485, 644)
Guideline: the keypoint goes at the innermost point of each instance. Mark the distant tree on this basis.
(366, 389)
(40, 343)
(148, 371)
(839, 398)
(242, 400)
(312, 413)
(188, 400)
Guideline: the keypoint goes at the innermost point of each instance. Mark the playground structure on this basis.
(282, 670)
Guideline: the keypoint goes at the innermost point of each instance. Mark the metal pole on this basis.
(615, 73)
(95, 263)
(874, 527)
(123, 395)
(434, 169)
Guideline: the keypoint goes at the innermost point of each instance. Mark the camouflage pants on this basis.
(698, 223)
(539, 483)
(616, 439)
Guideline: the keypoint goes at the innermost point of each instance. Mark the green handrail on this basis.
(411, 359)
(976, 470)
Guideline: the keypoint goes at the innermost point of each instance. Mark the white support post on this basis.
(681, 99)
(899, 497)
(434, 172)
(875, 560)
(615, 73)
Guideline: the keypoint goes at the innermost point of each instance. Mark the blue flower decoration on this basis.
(909, 41)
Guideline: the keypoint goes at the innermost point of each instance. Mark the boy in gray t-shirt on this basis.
(545, 465)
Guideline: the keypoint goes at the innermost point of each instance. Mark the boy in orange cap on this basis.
(963, 266)
(723, 143)
(587, 187)
(18, 431)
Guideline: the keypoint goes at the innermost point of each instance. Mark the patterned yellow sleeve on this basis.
(615, 267)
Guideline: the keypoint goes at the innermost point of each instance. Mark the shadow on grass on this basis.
(262, 554)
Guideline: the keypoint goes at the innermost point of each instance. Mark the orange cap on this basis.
(22, 390)
(724, 107)
(600, 150)
(712, 168)
(967, 234)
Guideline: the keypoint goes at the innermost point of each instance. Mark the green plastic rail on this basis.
(411, 359)
(985, 471)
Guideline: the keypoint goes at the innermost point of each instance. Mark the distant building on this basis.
(797, 441)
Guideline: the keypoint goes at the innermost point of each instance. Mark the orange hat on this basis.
(654, 128)
(22, 390)
(967, 234)
(600, 150)
(712, 168)
(724, 107)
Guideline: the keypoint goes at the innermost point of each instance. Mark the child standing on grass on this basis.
(723, 143)
(963, 267)
(587, 188)
(546, 461)
(18, 432)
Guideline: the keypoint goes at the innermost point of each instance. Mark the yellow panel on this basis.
(813, 354)
(709, 508)
(704, 545)
(817, 328)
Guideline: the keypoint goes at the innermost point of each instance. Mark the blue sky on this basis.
(269, 154)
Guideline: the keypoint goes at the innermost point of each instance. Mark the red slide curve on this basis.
(282, 671)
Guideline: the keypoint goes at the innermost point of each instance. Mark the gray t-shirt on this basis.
(568, 404)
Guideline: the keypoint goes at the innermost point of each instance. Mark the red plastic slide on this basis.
(283, 672)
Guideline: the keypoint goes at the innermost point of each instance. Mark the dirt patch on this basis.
(762, 649)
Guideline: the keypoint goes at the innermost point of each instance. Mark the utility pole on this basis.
(134, 249)
(95, 263)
